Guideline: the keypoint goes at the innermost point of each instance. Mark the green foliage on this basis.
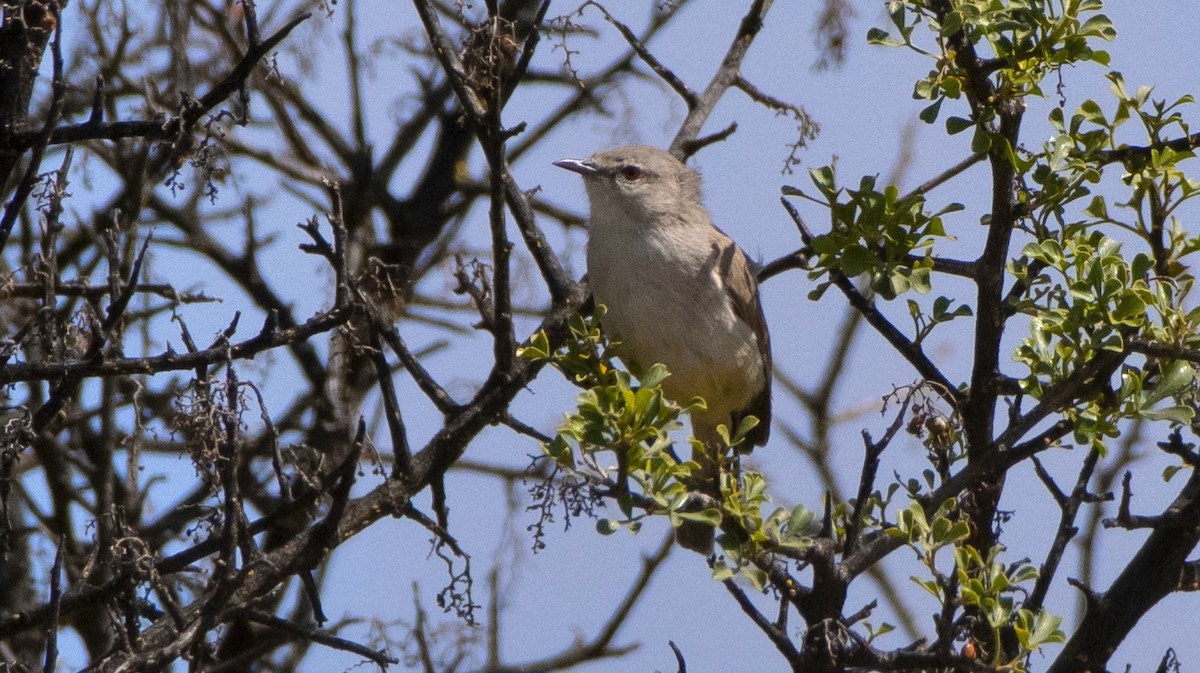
(619, 437)
(1087, 299)
(873, 633)
(984, 586)
(613, 415)
(943, 311)
(987, 587)
(1074, 158)
(881, 234)
(1102, 283)
(927, 536)
(1027, 39)
(1086, 295)
(1083, 290)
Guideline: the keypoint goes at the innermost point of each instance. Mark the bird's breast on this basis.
(667, 304)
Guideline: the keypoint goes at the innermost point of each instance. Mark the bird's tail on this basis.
(694, 535)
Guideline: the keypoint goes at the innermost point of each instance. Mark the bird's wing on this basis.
(742, 287)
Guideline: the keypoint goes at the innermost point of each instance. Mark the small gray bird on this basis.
(678, 292)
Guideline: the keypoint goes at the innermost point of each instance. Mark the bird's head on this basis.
(638, 183)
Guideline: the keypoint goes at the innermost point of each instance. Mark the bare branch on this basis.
(727, 75)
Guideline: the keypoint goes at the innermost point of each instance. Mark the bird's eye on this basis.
(631, 172)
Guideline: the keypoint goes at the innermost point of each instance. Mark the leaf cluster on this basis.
(982, 586)
(619, 435)
(879, 234)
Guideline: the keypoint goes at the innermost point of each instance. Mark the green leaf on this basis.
(1130, 310)
(817, 292)
(654, 376)
(955, 125)
(1091, 112)
(1097, 208)
(824, 180)
(920, 280)
(710, 516)
(1056, 119)
(758, 578)
(1045, 630)
(1118, 84)
(538, 348)
(1176, 414)
(883, 629)
(607, 526)
(930, 113)
(560, 452)
(722, 572)
(883, 38)
(982, 140)
(1024, 574)
(928, 585)
(1099, 26)
(1178, 377)
(800, 522)
(856, 259)
(951, 24)
(745, 425)
(923, 90)
(723, 433)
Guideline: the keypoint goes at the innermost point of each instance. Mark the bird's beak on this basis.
(584, 168)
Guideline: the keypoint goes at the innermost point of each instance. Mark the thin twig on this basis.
(391, 407)
(1066, 530)
(379, 657)
(665, 73)
(780, 640)
(727, 74)
(937, 180)
(421, 376)
(871, 453)
(55, 609)
(172, 361)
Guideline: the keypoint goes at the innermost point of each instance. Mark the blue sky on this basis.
(864, 108)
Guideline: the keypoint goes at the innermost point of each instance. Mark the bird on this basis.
(677, 291)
